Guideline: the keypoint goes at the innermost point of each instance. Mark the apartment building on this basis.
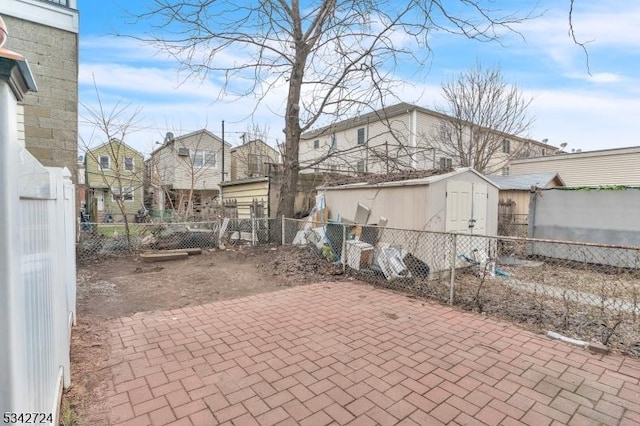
(401, 137)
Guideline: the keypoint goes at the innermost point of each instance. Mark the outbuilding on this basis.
(461, 201)
(457, 201)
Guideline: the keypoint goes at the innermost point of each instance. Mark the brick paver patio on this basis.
(348, 353)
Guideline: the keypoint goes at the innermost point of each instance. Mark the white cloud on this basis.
(584, 119)
(600, 77)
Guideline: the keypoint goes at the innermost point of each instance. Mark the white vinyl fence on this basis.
(37, 284)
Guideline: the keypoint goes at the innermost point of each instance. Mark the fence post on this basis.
(283, 233)
(454, 253)
(253, 231)
(344, 249)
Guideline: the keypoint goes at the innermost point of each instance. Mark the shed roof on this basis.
(246, 180)
(526, 181)
(410, 182)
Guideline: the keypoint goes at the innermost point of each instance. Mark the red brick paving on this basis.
(332, 353)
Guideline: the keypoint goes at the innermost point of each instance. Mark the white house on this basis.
(395, 138)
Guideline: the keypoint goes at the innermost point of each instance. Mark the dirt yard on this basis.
(121, 286)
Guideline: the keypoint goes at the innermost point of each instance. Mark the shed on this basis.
(514, 193)
(459, 201)
(244, 192)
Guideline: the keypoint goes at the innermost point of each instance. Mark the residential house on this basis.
(184, 174)
(514, 194)
(114, 172)
(617, 166)
(46, 33)
(252, 159)
(397, 138)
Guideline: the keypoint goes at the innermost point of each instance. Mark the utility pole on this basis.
(222, 150)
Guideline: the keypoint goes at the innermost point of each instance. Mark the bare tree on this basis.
(120, 175)
(333, 56)
(485, 114)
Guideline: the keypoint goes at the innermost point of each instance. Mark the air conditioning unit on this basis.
(183, 152)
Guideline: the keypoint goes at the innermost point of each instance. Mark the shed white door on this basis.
(479, 209)
(458, 206)
(466, 207)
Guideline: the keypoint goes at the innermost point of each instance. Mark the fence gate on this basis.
(231, 208)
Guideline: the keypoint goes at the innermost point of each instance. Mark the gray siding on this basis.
(50, 114)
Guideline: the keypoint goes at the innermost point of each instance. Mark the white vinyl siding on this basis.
(609, 167)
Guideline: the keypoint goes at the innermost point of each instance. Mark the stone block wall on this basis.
(51, 114)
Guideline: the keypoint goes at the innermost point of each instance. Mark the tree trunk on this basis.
(286, 206)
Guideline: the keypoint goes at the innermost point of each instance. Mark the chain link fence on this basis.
(96, 240)
(584, 291)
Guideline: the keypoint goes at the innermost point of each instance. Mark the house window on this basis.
(204, 159)
(333, 168)
(361, 166)
(127, 193)
(334, 142)
(361, 136)
(505, 171)
(544, 151)
(255, 163)
(506, 146)
(316, 144)
(128, 164)
(446, 163)
(104, 162)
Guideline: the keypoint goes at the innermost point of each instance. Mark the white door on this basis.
(479, 209)
(99, 196)
(459, 206)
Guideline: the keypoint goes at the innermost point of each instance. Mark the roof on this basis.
(253, 142)
(177, 138)
(243, 181)
(525, 182)
(115, 141)
(582, 154)
(436, 176)
(387, 113)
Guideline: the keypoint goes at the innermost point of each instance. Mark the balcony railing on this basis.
(64, 3)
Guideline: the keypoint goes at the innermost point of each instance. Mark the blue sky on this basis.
(587, 111)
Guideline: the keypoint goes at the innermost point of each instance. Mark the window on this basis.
(254, 164)
(127, 193)
(128, 164)
(506, 146)
(104, 162)
(361, 166)
(334, 142)
(316, 144)
(197, 158)
(333, 168)
(544, 151)
(446, 163)
(202, 158)
(361, 136)
(505, 171)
